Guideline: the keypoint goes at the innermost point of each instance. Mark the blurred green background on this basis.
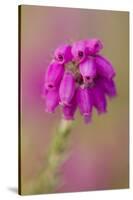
(99, 151)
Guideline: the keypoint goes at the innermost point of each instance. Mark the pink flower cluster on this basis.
(79, 77)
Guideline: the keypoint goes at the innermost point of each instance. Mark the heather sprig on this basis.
(79, 77)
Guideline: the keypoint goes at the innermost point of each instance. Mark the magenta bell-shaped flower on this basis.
(52, 100)
(79, 51)
(104, 67)
(67, 88)
(53, 75)
(93, 46)
(99, 100)
(69, 111)
(84, 101)
(63, 54)
(88, 69)
(108, 87)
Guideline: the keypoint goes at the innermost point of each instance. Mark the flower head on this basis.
(79, 78)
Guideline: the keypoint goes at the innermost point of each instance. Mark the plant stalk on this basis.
(48, 179)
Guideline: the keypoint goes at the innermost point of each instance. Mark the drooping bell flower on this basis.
(79, 51)
(104, 67)
(53, 75)
(99, 100)
(67, 88)
(63, 54)
(93, 46)
(69, 110)
(84, 101)
(108, 87)
(52, 100)
(88, 69)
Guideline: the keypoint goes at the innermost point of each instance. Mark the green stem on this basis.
(48, 179)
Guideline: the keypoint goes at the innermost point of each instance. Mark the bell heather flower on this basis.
(88, 69)
(51, 100)
(79, 78)
(104, 67)
(53, 75)
(63, 53)
(69, 110)
(93, 46)
(99, 100)
(67, 88)
(84, 101)
(108, 87)
(79, 51)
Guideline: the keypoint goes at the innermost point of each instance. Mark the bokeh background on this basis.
(99, 151)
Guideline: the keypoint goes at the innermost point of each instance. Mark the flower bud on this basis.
(67, 88)
(104, 67)
(53, 75)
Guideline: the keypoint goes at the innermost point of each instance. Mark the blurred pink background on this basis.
(99, 151)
